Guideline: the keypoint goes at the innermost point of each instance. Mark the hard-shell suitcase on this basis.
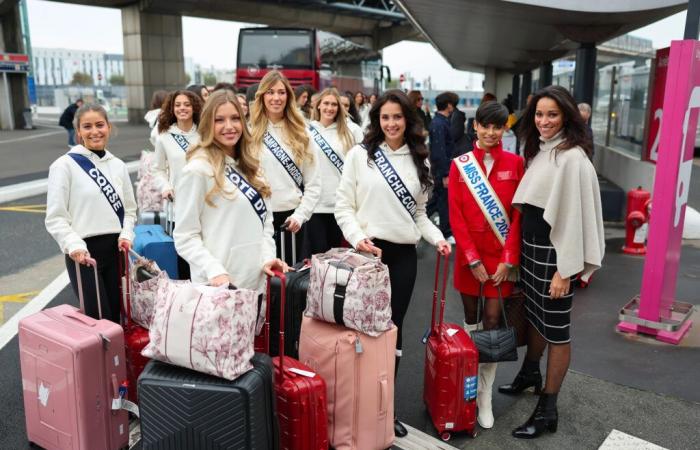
(301, 396)
(152, 242)
(451, 370)
(183, 409)
(359, 374)
(135, 336)
(72, 366)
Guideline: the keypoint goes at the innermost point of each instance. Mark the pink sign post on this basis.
(656, 312)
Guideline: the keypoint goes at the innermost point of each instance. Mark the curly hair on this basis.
(167, 112)
(209, 149)
(574, 128)
(413, 135)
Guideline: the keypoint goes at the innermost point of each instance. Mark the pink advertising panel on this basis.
(656, 103)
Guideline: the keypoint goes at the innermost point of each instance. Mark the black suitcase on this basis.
(183, 409)
(297, 287)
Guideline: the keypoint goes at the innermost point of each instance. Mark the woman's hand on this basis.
(275, 265)
(220, 280)
(480, 274)
(169, 194)
(292, 225)
(501, 274)
(367, 246)
(559, 287)
(80, 256)
(444, 248)
(124, 245)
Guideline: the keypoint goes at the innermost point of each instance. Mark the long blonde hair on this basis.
(295, 136)
(341, 118)
(210, 150)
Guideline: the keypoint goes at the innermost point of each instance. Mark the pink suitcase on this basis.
(72, 367)
(359, 374)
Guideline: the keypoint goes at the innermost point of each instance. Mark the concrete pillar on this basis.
(13, 85)
(515, 90)
(490, 80)
(584, 75)
(526, 88)
(545, 74)
(497, 82)
(153, 57)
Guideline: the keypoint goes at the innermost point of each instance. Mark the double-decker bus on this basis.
(307, 57)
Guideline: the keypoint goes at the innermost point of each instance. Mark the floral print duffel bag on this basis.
(350, 289)
(207, 329)
(148, 196)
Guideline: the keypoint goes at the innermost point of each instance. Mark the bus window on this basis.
(276, 49)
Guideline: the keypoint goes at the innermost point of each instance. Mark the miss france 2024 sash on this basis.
(248, 191)
(484, 195)
(284, 159)
(181, 141)
(103, 183)
(326, 148)
(395, 182)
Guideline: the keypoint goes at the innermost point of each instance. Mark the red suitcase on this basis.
(301, 395)
(451, 370)
(135, 336)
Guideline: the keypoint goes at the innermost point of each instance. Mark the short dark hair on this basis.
(491, 113)
(224, 85)
(444, 99)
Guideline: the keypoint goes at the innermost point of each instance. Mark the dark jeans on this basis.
(71, 136)
(438, 202)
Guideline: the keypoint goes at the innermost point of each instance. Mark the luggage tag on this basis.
(303, 373)
(425, 337)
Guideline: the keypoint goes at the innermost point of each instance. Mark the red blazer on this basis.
(476, 240)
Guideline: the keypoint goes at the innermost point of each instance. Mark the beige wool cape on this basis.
(565, 185)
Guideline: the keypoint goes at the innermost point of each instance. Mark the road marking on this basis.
(417, 440)
(617, 440)
(34, 136)
(18, 298)
(9, 329)
(41, 209)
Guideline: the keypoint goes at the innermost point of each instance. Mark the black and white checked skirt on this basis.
(538, 263)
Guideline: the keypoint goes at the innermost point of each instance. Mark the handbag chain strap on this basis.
(481, 304)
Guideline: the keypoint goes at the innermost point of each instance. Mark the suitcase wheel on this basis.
(445, 436)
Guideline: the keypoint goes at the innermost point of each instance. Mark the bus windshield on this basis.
(275, 49)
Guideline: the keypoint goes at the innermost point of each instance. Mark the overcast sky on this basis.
(213, 42)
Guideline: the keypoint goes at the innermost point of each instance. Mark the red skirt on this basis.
(465, 282)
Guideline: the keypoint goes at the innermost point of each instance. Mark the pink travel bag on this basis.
(359, 374)
(72, 367)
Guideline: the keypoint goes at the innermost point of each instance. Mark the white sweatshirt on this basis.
(77, 209)
(286, 195)
(330, 176)
(151, 119)
(226, 239)
(170, 157)
(366, 207)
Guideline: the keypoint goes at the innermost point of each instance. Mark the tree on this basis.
(116, 80)
(209, 79)
(82, 79)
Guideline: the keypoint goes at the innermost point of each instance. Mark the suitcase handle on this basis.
(125, 285)
(81, 297)
(283, 251)
(446, 271)
(283, 298)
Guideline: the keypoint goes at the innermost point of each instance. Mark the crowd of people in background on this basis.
(308, 162)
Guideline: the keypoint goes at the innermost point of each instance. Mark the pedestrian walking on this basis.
(488, 239)
(280, 140)
(416, 99)
(459, 129)
(442, 150)
(585, 110)
(177, 127)
(562, 236)
(380, 204)
(332, 135)
(152, 114)
(225, 226)
(91, 211)
(66, 120)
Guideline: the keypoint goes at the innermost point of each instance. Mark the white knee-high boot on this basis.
(487, 375)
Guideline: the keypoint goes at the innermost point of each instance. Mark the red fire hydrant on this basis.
(636, 221)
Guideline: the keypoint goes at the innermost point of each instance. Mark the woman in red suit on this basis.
(487, 231)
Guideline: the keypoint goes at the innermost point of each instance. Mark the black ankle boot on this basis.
(399, 429)
(545, 418)
(523, 380)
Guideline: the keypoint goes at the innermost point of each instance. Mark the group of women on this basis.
(238, 183)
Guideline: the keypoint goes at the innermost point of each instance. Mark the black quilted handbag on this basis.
(498, 345)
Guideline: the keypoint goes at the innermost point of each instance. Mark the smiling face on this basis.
(549, 119)
(393, 123)
(328, 107)
(275, 100)
(182, 108)
(488, 135)
(94, 130)
(228, 126)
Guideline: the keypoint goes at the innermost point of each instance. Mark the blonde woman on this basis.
(332, 135)
(225, 227)
(281, 142)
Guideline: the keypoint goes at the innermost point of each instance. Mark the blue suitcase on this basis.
(151, 242)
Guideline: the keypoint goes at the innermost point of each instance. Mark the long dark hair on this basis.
(574, 129)
(352, 111)
(413, 135)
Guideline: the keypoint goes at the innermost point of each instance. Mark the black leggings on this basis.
(278, 219)
(183, 268)
(322, 234)
(104, 250)
(402, 261)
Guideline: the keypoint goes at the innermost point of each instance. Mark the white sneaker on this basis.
(451, 240)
